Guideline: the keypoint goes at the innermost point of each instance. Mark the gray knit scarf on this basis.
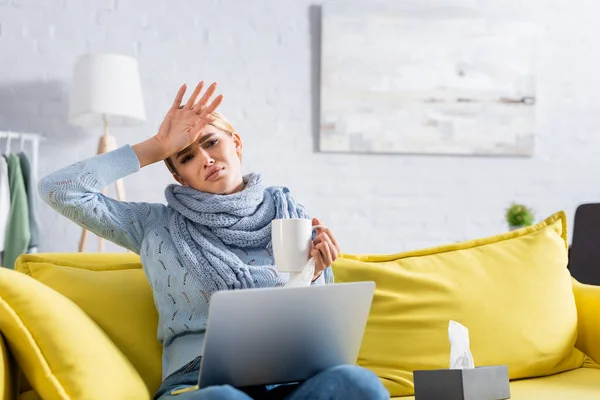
(205, 225)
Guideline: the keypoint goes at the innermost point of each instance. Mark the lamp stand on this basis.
(106, 144)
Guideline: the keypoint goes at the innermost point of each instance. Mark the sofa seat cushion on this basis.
(512, 291)
(579, 384)
(61, 351)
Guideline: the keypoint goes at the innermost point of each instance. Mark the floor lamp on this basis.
(106, 91)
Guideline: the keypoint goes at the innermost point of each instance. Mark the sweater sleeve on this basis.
(75, 192)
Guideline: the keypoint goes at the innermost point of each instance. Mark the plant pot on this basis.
(515, 227)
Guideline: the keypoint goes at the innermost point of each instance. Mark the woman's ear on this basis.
(237, 141)
(181, 181)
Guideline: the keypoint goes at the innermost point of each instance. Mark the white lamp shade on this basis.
(106, 86)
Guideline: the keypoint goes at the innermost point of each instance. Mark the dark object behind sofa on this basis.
(584, 253)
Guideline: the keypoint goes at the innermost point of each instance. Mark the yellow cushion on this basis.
(113, 290)
(6, 374)
(578, 384)
(62, 352)
(512, 291)
(587, 298)
(29, 395)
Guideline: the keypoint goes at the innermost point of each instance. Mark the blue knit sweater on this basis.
(182, 304)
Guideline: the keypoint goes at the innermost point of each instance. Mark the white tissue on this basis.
(460, 352)
(303, 278)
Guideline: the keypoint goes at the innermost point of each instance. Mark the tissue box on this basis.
(479, 383)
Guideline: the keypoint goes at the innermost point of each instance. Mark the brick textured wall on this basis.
(265, 56)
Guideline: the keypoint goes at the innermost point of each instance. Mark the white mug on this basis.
(291, 239)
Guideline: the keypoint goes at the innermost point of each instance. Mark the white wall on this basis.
(265, 55)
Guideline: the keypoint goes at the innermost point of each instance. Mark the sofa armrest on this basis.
(8, 374)
(587, 299)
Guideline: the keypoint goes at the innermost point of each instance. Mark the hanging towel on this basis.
(4, 201)
(16, 240)
(31, 201)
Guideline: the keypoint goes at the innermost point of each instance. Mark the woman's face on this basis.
(212, 164)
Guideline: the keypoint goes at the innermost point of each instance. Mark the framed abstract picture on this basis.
(426, 82)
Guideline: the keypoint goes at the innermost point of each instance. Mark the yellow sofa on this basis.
(83, 326)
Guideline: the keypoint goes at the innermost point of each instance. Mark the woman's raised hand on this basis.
(184, 124)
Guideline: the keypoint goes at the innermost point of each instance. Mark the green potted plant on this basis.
(519, 216)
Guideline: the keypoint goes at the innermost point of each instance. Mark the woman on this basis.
(213, 234)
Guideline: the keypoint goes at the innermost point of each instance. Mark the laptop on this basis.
(283, 334)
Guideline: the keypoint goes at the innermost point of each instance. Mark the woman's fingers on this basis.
(333, 251)
(334, 242)
(203, 113)
(329, 235)
(201, 104)
(179, 97)
(323, 248)
(319, 262)
(192, 100)
(212, 106)
(197, 129)
(199, 126)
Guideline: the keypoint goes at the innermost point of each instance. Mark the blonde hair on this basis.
(220, 122)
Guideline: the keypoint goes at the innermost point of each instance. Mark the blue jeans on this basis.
(344, 382)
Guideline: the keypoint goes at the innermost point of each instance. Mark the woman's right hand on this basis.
(183, 125)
